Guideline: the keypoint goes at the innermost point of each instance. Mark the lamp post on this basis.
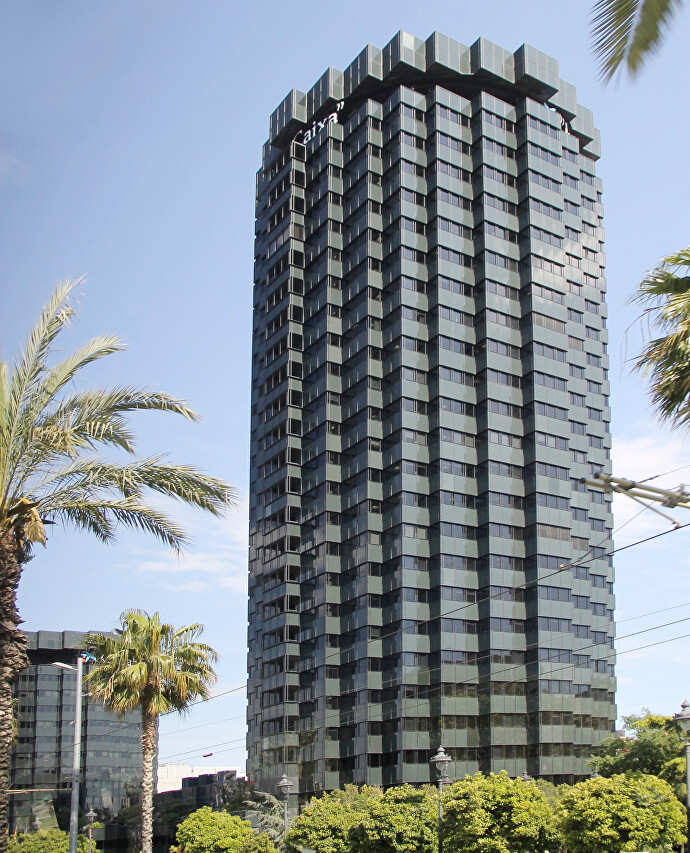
(683, 720)
(76, 758)
(441, 761)
(285, 786)
(90, 815)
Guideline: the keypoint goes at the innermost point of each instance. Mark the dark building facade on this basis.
(429, 389)
(41, 762)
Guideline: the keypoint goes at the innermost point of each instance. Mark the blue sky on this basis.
(130, 134)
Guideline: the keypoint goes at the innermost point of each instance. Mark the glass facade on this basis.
(429, 389)
(41, 762)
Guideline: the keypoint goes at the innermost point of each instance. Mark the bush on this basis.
(206, 831)
(46, 841)
(623, 812)
(497, 814)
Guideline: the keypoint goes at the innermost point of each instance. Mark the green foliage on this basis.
(623, 812)
(206, 831)
(650, 744)
(261, 843)
(151, 665)
(626, 32)
(403, 820)
(267, 811)
(235, 793)
(46, 841)
(50, 435)
(552, 792)
(325, 824)
(665, 295)
(497, 814)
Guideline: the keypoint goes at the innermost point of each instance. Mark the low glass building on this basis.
(41, 761)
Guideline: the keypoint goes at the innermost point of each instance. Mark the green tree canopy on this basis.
(206, 831)
(260, 843)
(267, 812)
(325, 824)
(46, 841)
(497, 814)
(649, 744)
(623, 812)
(403, 820)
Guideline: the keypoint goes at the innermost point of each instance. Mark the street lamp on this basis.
(90, 815)
(285, 786)
(76, 758)
(683, 720)
(441, 761)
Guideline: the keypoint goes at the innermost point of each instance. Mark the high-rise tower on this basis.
(429, 387)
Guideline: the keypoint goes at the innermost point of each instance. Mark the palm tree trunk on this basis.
(148, 752)
(13, 659)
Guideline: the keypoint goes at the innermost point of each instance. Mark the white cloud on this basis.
(12, 169)
(219, 560)
(192, 586)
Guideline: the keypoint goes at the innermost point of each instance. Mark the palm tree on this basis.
(626, 32)
(153, 666)
(665, 294)
(51, 471)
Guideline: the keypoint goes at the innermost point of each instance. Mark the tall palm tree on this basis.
(665, 295)
(153, 666)
(626, 32)
(51, 471)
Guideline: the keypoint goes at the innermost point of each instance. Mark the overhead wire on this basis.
(367, 719)
(580, 561)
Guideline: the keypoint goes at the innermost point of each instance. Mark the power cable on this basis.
(367, 719)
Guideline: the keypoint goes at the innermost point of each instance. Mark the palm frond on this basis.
(186, 484)
(664, 294)
(626, 32)
(654, 19)
(49, 440)
(64, 371)
(128, 398)
(27, 373)
(91, 481)
(151, 665)
(102, 518)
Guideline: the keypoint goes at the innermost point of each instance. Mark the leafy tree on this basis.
(403, 820)
(261, 843)
(46, 841)
(206, 831)
(497, 814)
(153, 666)
(650, 744)
(549, 790)
(626, 32)
(235, 793)
(325, 824)
(51, 470)
(623, 812)
(268, 812)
